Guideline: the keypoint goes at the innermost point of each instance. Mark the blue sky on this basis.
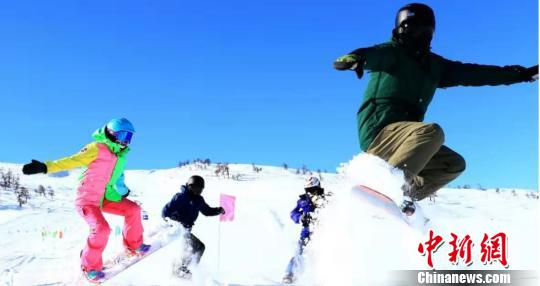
(251, 81)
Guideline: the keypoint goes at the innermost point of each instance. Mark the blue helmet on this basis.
(120, 131)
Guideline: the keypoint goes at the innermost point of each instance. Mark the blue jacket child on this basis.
(184, 208)
(302, 214)
(312, 199)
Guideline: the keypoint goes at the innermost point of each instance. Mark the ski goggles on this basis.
(418, 30)
(123, 137)
(313, 190)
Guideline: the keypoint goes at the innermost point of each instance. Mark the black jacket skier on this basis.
(184, 208)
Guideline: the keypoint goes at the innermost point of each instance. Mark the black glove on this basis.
(531, 73)
(126, 194)
(350, 62)
(221, 210)
(344, 65)
(524, 74)
(35, 167)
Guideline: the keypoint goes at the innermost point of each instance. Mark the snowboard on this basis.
(157, 239)
(388, 206)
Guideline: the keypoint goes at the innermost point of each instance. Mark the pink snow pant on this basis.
(99, 230)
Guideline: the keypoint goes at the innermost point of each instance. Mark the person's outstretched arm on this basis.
(456, 73)
(208, 211)
(377, 58)
(83, 158)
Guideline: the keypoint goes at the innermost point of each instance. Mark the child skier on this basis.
(184, 208)
(101, 189)
(403, 79)
(309, 202)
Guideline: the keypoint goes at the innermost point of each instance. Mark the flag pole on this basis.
(219, 246)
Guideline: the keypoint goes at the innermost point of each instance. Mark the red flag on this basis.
(227, 203)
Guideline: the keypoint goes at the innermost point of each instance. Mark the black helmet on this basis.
(415, 14)
(195, 184)
(414, 27)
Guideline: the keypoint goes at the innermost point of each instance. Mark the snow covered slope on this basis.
(350, 246)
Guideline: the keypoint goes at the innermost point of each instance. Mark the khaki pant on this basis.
(417, 148)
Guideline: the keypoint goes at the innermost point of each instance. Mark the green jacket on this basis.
(402, 85)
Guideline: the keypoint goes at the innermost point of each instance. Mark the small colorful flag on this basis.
(227, 203)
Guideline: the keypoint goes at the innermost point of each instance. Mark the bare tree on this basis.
(183, 163)
(201, 164)
(50, 192)
(218, 169)
(319, 174)
(223, 170)
(255, 168)
(40, 191)
(8, 180)
(22, 195)
(226, 170)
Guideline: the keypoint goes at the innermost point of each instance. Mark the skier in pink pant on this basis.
(102, 189)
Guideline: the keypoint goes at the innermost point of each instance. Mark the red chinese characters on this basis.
(461, 249)
(432, 245)
(492, 248)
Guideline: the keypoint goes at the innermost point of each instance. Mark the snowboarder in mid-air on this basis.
(306, 206)
(102, 189)
(184, 208)
(403, 79)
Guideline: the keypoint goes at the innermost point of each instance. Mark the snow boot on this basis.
(407, 206)
(183, 272)
(288, 279)
(141, 251)
(94, 276)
